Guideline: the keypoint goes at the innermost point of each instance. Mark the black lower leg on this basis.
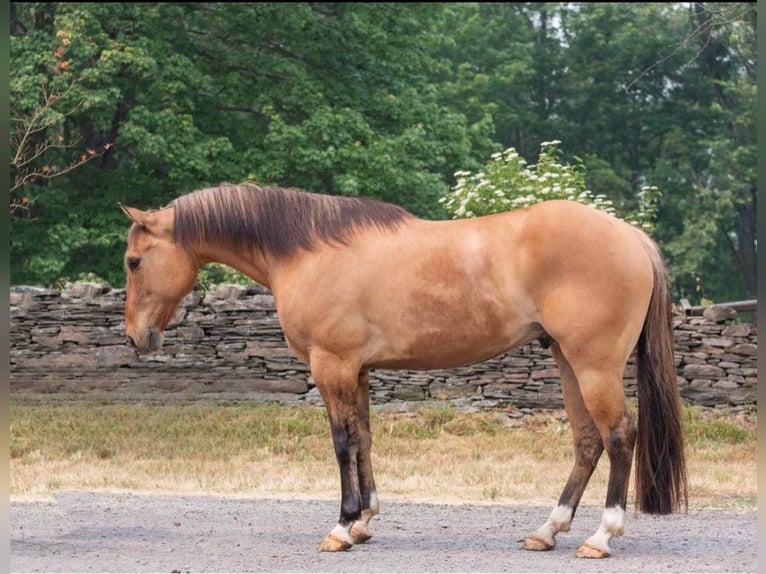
(364, 461)
(345, 440)
(588, 451)
(620, 443)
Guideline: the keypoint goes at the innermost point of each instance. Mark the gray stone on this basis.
(718, 341)
(500, 390)
(725, 384)
(86, 289)
(703, 371)
(737, 330)
(408, 393)
(546, 374)
(228, 292)
(115, 356)
(744, 349)
(719, 314)
(443, 391)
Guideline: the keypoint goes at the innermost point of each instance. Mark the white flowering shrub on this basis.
(507, 182)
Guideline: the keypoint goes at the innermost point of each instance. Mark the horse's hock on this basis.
(228, 345)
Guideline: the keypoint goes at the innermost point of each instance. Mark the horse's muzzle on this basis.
(149, 343)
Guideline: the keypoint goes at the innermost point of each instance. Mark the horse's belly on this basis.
(428, 360)
(442, 348)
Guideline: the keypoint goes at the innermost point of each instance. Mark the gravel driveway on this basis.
(116, 532)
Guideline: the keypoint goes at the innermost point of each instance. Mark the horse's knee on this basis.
(588, 450)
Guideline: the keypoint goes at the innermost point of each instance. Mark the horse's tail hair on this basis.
(661, 480)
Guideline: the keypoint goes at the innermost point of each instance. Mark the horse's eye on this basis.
(133, 263)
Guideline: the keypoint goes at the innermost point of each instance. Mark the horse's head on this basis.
(159, 273)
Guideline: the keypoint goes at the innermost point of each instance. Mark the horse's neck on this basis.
(255, 265)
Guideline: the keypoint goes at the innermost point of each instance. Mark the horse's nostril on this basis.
(131, 342)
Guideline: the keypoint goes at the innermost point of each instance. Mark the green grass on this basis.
(711, 427)
(436, 452)
(102, 431)
(222, 431)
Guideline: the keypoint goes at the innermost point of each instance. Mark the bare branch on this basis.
(705, 26)
(32, 125)
(25, 177)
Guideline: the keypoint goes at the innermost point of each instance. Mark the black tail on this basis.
(661, 481)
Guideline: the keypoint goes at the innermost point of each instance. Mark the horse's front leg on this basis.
(360, 531)
(337, 384)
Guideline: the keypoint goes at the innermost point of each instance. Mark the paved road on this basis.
(115, 532)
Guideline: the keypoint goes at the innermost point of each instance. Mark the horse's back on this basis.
(562, 245)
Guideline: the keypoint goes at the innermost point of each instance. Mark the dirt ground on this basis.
(123, 532)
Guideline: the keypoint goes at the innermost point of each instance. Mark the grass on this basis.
(434, 454)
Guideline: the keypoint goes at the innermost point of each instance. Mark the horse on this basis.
(361, 284)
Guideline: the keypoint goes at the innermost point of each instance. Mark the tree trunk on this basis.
(748, 213)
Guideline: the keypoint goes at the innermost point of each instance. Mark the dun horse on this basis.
(360, 284)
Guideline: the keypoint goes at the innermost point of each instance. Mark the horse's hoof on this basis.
(334, 544)
(534, 542)
(360, 533)
(590, 550)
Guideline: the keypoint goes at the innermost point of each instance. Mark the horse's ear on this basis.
(135, 215)
(157, 222)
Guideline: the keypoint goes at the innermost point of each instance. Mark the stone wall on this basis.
(228, 345)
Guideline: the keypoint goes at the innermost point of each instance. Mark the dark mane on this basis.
(278, 221)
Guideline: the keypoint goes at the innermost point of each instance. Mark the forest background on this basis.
(138, 103)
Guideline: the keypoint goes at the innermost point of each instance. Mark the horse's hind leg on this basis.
(360, 531)
(618, 434)
(602, 393)
(587, 447)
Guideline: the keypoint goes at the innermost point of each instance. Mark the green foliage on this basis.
(139, 103)
(216, 274)
(331, 98)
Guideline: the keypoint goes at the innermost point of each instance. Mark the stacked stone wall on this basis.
(227, 345)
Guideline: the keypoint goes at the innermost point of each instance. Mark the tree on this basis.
(726, 36)
(334, 98)
(383, 100)
(636, 92)
(42, 97)
(131, 87)
(329, 97)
